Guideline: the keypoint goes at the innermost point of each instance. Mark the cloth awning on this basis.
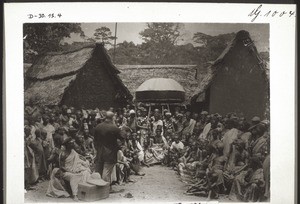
(164, 90)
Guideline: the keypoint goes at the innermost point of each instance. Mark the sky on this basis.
(130, 32)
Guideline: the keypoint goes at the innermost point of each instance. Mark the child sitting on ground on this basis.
(123, 168)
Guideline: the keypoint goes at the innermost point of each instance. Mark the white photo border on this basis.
(282, 72)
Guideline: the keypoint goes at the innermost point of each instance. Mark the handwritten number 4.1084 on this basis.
(261, 12)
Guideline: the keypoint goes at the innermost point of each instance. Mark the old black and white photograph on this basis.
(146, 111)
(178, 108)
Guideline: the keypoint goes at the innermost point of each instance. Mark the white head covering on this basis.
(131, 112)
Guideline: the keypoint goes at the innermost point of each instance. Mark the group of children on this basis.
(214, 154)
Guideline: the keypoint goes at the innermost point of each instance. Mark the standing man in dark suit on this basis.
(106, 135)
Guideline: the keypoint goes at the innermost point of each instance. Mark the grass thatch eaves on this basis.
(48, 92)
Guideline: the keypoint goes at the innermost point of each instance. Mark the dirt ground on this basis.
(159, 184)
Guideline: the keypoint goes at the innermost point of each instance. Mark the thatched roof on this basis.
(58, 64)
(134, 75)
(213, 68)
(48, 92)
(52, 74)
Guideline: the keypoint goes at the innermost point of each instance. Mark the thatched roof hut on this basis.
(236, 79)
(82, 77)
(186, 75)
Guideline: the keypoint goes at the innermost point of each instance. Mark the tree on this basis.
(40, 38)
(126, 53)
(104, 35)
(160, 40)
(210, 47)
(166, 33)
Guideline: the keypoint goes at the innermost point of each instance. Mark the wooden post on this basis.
(114, 56)
(168, 108)
(162, 111)
(135, 115)
(148, 118)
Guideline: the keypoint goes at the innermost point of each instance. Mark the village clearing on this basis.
(159, 184)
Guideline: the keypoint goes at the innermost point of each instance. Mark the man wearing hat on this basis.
(255, 120)
(106, 135)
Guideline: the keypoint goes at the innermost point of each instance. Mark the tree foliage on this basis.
(104, 35)
(159, 41)
(127, 53)
(40, 38)
(160, 47)
(210, 47)
(161, 33)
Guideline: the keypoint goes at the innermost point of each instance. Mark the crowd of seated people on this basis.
(214, 154)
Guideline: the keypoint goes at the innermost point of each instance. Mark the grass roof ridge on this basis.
(72, 50)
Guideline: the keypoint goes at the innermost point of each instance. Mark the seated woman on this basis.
(215, 176)
(73, 169)
(248, 186)
(189, 162)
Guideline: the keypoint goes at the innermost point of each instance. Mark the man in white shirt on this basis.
(175, 151)
(177, 144)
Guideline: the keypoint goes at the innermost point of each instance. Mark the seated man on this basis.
(88, 142)
(176, 145)
(159, 139)
(175, 151)
(189, 162)
(122, 166)
(138, 151)
(134, 163)
(31, 172)
(155, 152)
(149, 157)
(79, 146)
(216, 183)
(36, 145)
(248, 186)
(73, 170)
